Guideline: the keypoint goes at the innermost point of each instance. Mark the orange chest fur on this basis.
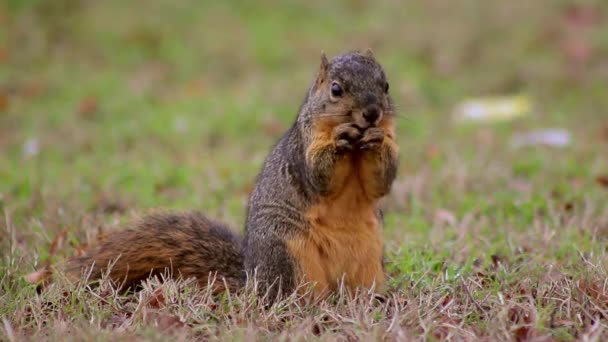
(345, 236)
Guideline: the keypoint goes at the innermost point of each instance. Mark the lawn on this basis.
(111, 108)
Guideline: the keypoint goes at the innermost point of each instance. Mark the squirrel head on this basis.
(351, 87)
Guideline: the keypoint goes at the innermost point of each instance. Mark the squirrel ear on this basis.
(369, 53)
(324, 62)
(323, 68)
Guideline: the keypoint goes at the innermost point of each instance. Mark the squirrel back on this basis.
(313, 216)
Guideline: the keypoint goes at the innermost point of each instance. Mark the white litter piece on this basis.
(31, 148)
(545, 137)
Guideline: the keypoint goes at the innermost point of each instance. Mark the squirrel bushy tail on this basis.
(187, 244)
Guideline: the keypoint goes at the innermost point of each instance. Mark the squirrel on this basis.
(313, 216)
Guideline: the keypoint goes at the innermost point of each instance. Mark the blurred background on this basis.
(111, 106)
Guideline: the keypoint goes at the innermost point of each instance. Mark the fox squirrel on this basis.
(313, 215)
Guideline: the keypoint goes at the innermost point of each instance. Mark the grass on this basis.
(108, 109)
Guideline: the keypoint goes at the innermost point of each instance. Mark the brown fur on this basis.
(372, 163)
(344, 241)
(185, 244)
(322, 136)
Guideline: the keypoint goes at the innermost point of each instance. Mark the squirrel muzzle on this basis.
(369, 116)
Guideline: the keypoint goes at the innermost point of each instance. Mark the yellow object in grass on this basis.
(492, 109)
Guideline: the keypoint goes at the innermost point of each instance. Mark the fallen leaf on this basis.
(497, 260)
(3, 55)
(32, 89)
(577, 51)
(316, 329)
(43, 275)
(522, 333)
(158, 299)
(195, 88)
(88, 107)
(604, 133)
(577, 182)
(432, 152)
(522, 323)
(580, 17)
(57, 243)
(3, 102)
(595, 291)
(602, 180)
(38, 276)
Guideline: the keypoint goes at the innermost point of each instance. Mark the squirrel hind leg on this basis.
(184, 244)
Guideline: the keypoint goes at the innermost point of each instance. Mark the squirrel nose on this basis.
(371, 114)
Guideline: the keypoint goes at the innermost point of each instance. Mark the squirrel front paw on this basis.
(372, 138)
(347, 136)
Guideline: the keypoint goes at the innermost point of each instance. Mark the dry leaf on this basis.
(43, 275)
(576, 22)
(32, 89)
(497, 260)
(595, 291)
(580, 17)
(87, 107)
(158, 299)
(432, 152)
(195, 88)
(602, 180)
(3, 55)
(3, 102)
(577, 51)
(522, 323)
(38, 276)
(604, 133)
(57, 243)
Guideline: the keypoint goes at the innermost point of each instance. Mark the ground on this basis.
(111, 108)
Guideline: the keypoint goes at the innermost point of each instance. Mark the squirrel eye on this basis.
(386, 87)
(336, 90)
